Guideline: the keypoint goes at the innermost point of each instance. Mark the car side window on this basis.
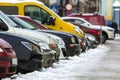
(37, 14)
(79, 21)
(69, 20)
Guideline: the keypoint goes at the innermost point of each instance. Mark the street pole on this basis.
(101, 37)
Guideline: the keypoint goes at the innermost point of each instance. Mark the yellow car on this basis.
(39, 12)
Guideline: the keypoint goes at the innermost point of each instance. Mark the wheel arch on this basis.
(103, 32)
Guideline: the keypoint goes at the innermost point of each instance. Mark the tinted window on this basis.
(69, 20)
(9, 9)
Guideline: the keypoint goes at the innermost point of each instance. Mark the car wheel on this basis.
(104, 38)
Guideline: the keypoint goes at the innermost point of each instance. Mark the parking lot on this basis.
(38, 44)
(101, 63)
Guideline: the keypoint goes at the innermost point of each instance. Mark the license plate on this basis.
(14, 61)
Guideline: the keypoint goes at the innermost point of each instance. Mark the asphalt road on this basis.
(108, 68)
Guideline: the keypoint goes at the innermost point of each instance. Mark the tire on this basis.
(104, 38)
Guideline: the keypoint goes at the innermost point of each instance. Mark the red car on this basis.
(31, 21)
(93, 32)
(8, 59)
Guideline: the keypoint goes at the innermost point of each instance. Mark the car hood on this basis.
(31, 33)
(4, 44)
(58, 39)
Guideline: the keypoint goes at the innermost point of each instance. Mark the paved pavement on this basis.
(108, 68)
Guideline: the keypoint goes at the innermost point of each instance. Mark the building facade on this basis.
(109, 8)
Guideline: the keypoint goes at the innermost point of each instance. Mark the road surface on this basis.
(108, 67)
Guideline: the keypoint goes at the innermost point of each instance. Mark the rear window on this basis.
(12, 10)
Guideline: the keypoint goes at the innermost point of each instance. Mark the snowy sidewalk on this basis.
(102, 63)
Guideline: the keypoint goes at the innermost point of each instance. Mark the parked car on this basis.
(48, 55)
(93, 18)
(32, 53)
(63, 35)
(8, 59)
(38, 11)
(107, 32)
(94, 32)
(71, 43)
(36, 25)
(25, 25)
(28, 59)
(92, 42)
(9, 26)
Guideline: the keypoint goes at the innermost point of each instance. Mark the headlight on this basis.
(44, 46)
(110, 29)
(77, 29)
(90, 37)
(73, 39)
(32, 47)
(52, 43)
(60, 41)
(79, 40)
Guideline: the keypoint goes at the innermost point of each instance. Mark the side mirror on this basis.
(3, 26)
(51, 21)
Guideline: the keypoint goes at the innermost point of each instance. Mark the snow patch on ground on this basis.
(67, 69)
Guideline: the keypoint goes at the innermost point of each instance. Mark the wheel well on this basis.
(103, 32)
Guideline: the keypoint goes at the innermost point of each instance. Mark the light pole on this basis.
(101, 35)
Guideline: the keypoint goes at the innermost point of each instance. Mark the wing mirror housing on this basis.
(51, 21)
(3, 26)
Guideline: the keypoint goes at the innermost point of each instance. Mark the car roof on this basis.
(72, 18)
(20, 1)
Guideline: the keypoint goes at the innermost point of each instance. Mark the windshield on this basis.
(22, 23)
(7, 19)
(53, 12)
(34, 23)
(86, 22)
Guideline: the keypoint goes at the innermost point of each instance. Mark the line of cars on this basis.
(87, 27)
(36, 48)
(35, 45)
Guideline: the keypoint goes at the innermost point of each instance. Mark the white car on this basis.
(107, 32)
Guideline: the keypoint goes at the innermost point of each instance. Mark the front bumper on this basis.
(49, 58)
(34, 63)
(72, 49)
(110, 35)
(8, 67)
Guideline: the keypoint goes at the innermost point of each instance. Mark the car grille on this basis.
(10, 69)
(2, 69)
